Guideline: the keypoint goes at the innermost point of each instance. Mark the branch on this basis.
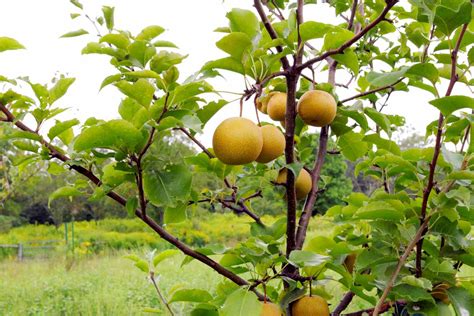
(290, 117)
(311, 200)
(299, 21)
(437, 148)
(271, 31)
(363, 94)
(353, 14)
(418, 236)
(340, 50)
(55, 153)
(346, 300)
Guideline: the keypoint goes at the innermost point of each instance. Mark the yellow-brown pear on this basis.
(237, 141)
(276, 107)
(317, 108)
(310, 306)
(349, 262)
(273, 144)
(303, 183)
(270, 309)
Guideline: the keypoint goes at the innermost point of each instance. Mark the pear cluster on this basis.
(238, 141)
(315, 107)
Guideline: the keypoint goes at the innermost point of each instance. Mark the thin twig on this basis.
(340, 50)
(162, 298)
(437, 148)
(401, 262)
(268, 26)
(363, 94)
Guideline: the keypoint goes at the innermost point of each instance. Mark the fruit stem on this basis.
(241, 106)
(256, 111)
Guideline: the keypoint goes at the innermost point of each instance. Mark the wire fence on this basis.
(33, 249)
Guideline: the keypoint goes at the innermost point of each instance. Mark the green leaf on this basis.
(227, 63)
(60, 127)
(448, 105)
(143, 265)
(175, 214)
(462, 300)
(166, 254)
(113, 176)
(208, 111)
(186, 91)
(169, 186)
(164, 60)
(348, 59)
(382, 143)
(132, 205)
(164, 44)
(76, 3)
(63, 192)
(134, 112)
(118, 40)
(352, 146)
(115, 134)
(110, 79)
(26, 145)
(450, 14)
(243, 21)
(302, 259)
(425, 70)
(355, 115)
(142, 74)
(108, 13)
(142, 90)
(411, 293)
(380, 79)
(150, 32)
(311, 30)
(60, 89)
(470, 56)
(235, 44)
(191, 295)
(335, 37)
(74, 33)
(418, 282)
(241, 303)
(22, 134)
(141, 52)
(379, 210)
(8, 43)
(380, 119)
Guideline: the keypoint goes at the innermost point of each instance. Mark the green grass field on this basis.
(100, 281)
(98, 285)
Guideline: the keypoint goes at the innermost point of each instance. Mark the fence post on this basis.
(20, 252)
(65, 232)
(72, 235)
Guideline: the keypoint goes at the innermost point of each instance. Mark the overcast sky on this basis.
(189, 24)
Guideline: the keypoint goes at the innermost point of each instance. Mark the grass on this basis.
(97, 285)
(100, 281)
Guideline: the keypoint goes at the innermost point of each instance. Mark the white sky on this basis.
(189, 24)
